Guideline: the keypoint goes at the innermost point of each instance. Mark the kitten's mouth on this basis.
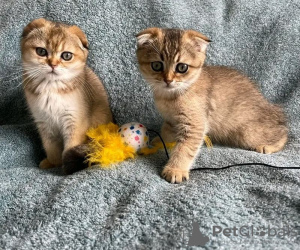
(53, 72)
(169, 86)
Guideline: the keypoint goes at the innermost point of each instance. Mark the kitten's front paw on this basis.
(175, 175)
(45, 164)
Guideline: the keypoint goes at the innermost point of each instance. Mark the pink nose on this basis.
(168, 82)
(53, 66)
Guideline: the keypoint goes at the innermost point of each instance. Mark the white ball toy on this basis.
(135, 135)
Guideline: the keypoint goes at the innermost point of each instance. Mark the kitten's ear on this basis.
(79, 33)
(35, 24)
(146, 35)
(200, 41)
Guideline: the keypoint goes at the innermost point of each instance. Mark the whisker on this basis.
(30, 77)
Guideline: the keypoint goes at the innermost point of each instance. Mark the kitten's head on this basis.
(52, 52)
(170, 59)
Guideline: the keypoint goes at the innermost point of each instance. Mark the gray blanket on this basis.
(131, 206)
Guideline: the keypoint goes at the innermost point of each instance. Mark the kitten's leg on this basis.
(167, 133)
(190, 139)
(263, 138)
(77, 137)
(52, 146)
(53, 150)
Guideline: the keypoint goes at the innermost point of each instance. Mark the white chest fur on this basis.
(56, 111)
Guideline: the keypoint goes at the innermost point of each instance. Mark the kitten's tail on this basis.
(75, 159)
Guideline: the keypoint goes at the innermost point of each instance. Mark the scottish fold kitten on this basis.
(64, 96)
(197, 100)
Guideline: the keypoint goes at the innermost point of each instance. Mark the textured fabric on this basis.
(131, 206)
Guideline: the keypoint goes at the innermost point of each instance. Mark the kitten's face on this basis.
(52, 52)
(170, 59)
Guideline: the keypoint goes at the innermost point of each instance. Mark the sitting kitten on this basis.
(197, 100)
(65, 97)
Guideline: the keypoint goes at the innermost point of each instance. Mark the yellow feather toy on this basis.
(107, 146)
(110, 144)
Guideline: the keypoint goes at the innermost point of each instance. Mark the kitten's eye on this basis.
(182, 68)
(41, 51)
(67, 56)
(157, 66)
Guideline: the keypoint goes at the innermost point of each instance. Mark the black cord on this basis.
(229, 166)
(245, 164)
(150, 130)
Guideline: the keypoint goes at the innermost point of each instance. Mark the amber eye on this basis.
(67, 56)
(182, 68)
(41, 51)
(157, 66)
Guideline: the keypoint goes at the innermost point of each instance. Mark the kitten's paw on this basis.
(45, 164)
(269, 149)
(175, 175)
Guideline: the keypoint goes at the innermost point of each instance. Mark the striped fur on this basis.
(205, 100)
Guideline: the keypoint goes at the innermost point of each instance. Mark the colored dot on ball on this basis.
(132, 127)
(141, 125)
(136, 138)
(138, 132)
(125, 129)
(145, 138)
(147, 133)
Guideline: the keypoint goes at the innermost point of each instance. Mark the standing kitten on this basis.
(65, 97)
(197, 100)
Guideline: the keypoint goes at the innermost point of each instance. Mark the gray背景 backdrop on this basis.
(131, 206)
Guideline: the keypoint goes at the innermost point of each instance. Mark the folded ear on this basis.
(199, 40)
(146, 35)
(79, 33)
(35, 24)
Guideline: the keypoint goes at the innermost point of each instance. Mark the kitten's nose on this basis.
(53, 66)
(168, 82)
